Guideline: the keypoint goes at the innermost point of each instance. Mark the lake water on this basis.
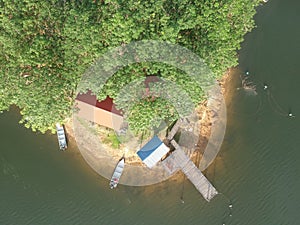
(257, 169)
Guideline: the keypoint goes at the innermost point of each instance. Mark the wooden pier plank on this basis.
(174, 129)
(200, 182)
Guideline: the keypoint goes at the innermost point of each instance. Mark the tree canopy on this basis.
(48, 45)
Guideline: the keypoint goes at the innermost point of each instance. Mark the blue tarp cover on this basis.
(150, 147)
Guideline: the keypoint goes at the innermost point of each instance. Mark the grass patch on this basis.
(112, 139)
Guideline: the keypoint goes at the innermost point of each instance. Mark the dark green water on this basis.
(257, 169)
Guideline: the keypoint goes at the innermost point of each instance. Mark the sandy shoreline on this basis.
(205, 116)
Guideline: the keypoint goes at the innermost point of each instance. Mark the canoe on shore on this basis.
(117, 173)
(61, 136)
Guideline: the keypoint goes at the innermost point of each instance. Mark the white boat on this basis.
(62, 141)
(117, 173)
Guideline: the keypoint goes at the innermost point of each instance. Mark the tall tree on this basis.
(47, 45)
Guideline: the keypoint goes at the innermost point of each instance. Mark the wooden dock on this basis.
(174, 130)
(201, 183)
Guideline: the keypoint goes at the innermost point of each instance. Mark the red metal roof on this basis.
(107, 104)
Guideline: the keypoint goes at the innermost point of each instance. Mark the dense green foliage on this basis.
(46, 46)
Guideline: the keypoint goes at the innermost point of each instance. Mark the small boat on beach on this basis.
(61, 136)
(117, 173)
